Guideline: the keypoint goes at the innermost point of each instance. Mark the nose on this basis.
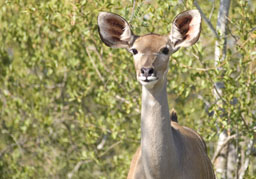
(147, 71)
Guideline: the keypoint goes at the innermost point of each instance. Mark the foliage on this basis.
(69, 105)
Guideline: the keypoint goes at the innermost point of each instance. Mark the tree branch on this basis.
(76, 168)
(133, 10)
(126, 101)
(94, 65)
(217, 152)
(208, 22)
(222, 28)
(220, 55)
(245, 165)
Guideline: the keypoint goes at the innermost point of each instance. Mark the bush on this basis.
(70, 106)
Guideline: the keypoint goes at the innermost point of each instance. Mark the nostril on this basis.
(151, 71)
(142, 70)
(147, 71)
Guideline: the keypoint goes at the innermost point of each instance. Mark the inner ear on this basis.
(114, 30)
(183, 25)
(186, 28)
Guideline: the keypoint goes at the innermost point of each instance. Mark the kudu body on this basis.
(168, 150)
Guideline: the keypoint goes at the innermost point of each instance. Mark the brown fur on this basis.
(193, 157)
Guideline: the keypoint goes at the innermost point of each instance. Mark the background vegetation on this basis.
(70, 106)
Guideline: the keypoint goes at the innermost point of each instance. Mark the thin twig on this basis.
(201, 69)
(133, 10)
(197, 69)
(111, 147)
(7, 149)
(214, 86)
(253, 29)
(213, 7)
(93, 48)
(80, 163)
(94, 65)
(77, 166)
(10, 147)
(245, 123)
(126, 101)
(208, 22)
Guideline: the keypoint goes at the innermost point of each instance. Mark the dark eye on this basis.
(134, 51)
(165, 51)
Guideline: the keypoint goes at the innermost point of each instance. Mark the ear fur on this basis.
(114, 30)
(186, 29)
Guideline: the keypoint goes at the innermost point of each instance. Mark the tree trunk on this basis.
(221, 163)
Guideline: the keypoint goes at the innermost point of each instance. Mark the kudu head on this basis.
(151, 52)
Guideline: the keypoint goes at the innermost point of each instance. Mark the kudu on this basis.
(167, 149)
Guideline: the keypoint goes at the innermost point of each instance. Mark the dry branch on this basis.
(217, 152)
(208, 22)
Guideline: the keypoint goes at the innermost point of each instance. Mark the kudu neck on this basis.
(158, 151)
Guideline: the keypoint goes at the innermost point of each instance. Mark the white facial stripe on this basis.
(142, 78)
(149, 84)
(149, 78)
(144, 54)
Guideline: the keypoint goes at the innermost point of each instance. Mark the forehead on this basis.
(150, 42)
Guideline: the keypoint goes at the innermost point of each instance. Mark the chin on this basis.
(148, 84)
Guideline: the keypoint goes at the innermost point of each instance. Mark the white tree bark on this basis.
(221, 28)
(221, 163)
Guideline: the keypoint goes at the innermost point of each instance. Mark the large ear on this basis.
(186, 29)
(114, 30)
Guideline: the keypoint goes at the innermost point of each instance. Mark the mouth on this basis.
(147, 80)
